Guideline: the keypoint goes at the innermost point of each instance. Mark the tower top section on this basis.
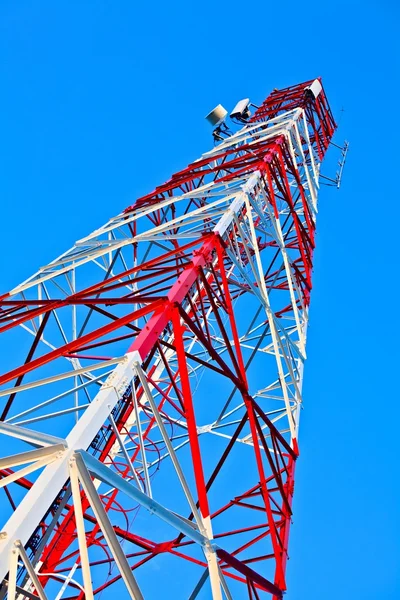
(308, 97)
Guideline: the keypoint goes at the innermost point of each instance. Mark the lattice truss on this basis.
(153, 374)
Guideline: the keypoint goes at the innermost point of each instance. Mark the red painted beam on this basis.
(266, 585)
(151, 332)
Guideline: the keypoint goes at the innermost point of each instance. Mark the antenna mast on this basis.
(151, 399)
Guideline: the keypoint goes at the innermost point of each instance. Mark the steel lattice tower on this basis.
(152, 393)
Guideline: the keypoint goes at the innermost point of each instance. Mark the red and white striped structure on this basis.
(152, 375)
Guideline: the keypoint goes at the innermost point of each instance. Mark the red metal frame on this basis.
(166, 285)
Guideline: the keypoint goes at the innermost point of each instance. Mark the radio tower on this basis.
(153, 374)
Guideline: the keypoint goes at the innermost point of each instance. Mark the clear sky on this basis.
(101, 101)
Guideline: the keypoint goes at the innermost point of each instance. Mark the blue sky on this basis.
(101, 101)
